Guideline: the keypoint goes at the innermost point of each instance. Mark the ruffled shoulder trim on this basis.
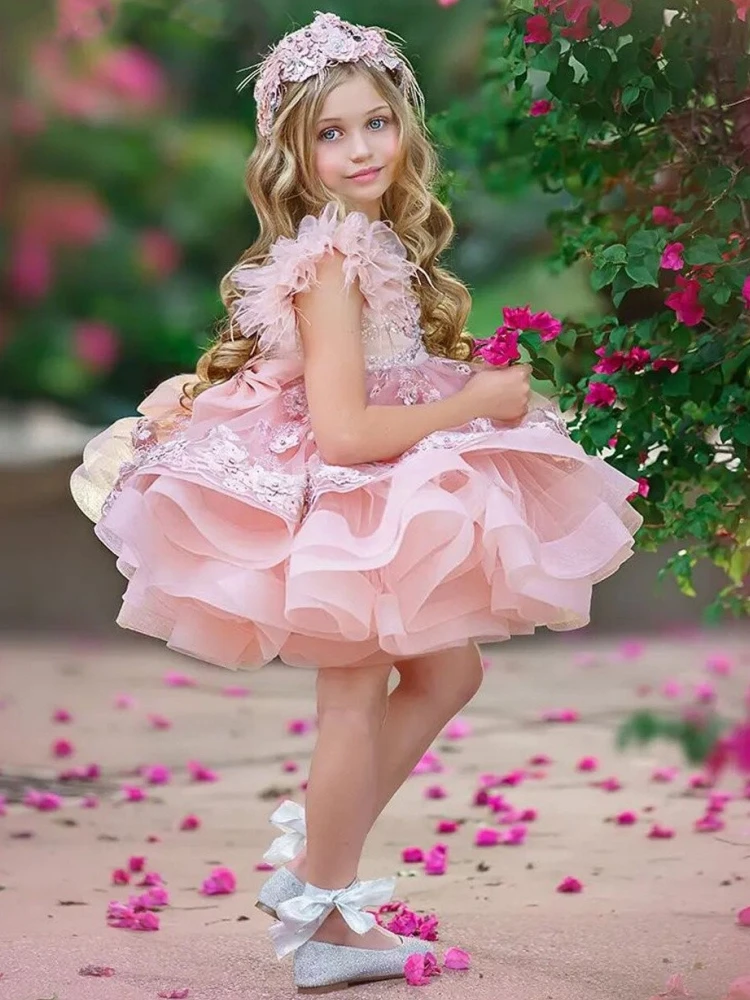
(373, 255)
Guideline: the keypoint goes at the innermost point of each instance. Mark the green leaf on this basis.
(657, 103)
(603, 276)
(630, 95)
(543, 369)
(546, 60)
(741, 431)
(615, 254)
(704, 250)
(644, 270)
(679, 73)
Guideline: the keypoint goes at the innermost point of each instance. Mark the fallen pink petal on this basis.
(710, 823)
(435, 792)
(436, 861)
(743, 917)
(674, 989)
(627, 818)
(157, 721)
(664, 774)
(157, 774)
(447, 826)
(456, 958)
(62, 748)
(235, 691)
(221, 882)
(412, 855)
(587, 764)
(540, 760)
(457, 729)
(174, 678)
(133, 793)
(62, 715)
(100, 971)
(136, 863)
(487, 837)
(561, 715)
(297, 727)
(190, 822)
(658, 832)
(739, 989)
(174, 994)
(609, 784)
(289, 767)
(570, 884)
(430, 763)
(198, 772)
(419, 968)
(124, 701)
(719, 664)
(120, 877)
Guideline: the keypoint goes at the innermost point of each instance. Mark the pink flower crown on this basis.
(324, 42)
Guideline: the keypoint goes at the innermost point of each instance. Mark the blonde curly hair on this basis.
(283, 187)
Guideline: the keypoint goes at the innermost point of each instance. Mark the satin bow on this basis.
(300, 917)
(289, 817)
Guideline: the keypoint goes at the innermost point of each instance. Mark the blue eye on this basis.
(325, 135)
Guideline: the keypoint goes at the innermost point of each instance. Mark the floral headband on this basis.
(324, 42)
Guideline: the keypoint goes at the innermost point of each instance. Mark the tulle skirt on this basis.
(240, 544)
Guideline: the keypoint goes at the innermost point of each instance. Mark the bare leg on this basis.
(342, 787)
(432, 689)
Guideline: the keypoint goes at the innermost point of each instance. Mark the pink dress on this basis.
(241, 544)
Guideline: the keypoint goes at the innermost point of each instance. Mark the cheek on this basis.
(326, 163)
(389, 145)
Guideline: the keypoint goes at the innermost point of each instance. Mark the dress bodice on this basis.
(373, 255)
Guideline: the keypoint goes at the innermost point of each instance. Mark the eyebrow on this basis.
(380, 107)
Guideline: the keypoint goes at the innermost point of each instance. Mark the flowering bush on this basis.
(640, 118)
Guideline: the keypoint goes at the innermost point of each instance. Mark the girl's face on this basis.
(356, 145)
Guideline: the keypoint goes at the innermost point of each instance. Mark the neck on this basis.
(371, 209)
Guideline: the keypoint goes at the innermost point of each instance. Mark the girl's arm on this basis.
(348, 430)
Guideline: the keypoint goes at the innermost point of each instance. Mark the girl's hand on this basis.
(499, 393)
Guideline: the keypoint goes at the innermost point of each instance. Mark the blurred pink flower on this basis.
(96, 345)
(199, 772)
(190, 822)
(487, 837)
(539, 108)
(664, 216)
(608, 364)
(436, 860)
(131, 74)
(435, 792)
(669, 364)
(26, 118)
(42, 801)
(158, 721)
(719, 663)
(457, 729)
(447, 826)
(83, 19)
(642, 490)
(175, 678)
(429, 763)
(627, 818)
(614, 12)
(158, 253)
(742, 7)
(61, 715)
(587, 764)
(157, 774)
(743, 917)
(30, 271)
(120, 877)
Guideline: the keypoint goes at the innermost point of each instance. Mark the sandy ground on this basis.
(649, 908)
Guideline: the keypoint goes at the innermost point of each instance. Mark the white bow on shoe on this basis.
(290, 818)
(299, 918)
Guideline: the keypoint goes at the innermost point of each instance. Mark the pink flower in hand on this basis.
(221, 882)
(502, 349)
(671, 259)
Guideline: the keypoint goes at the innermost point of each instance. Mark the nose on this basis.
(360, 148)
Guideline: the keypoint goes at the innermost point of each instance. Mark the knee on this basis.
(448, 680)
(354, 697)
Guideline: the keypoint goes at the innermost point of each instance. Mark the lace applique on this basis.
(222, 460)
(294, 399)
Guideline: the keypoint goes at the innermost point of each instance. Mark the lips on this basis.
(371, 171)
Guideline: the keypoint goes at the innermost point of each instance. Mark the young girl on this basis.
(339, 487)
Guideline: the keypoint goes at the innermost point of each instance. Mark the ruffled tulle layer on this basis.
(240, 544)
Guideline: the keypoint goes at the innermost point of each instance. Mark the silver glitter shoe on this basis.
(320, 967)
(282, 885)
